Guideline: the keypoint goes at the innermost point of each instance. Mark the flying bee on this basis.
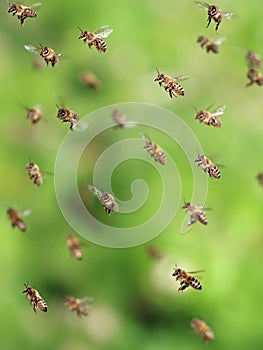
(33, 296)
(209, 44)
(155, 151)
(48, 54)
(196, 214)
(67, 116)
(214, 13)
(154, 252)
(78, 305)
(186, 280)
(253, 59)
(211, 118)
(33, 114)
(120, 120)
(208, 167)
(75, 247)
(171, 85)
(16, 218)
(34, 173)
(23, 12)
(106, 199)
(202, 328)
(96, 38)
(260, 178)
(91, 80)
(255, 77)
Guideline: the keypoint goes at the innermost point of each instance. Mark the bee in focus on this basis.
(154, 252)
(206, 164)
(67, 116)
(34, 114)
(186, 280)
(91, 80)
(33, 296)
(120, 120)
(155, 151)
(214, 13)
(48, 54)
(106, 199)
(34, 173)
(260, 178)
(75, 247)
(78, 305)
(255, 77)
(196, 214)
(16, 218)
(209, 44)
(23, 12)
(96, 38)
(171, 85)
(200, 327)
(211, 118)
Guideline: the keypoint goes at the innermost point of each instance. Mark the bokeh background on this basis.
(136, 303)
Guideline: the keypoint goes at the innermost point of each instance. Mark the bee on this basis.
(260, 178)
(78, 305)
(34, 114)
(23, 12)
(211, 118)
(202, 328)
(255, 77)
(253, 59)
(75, 247)
(155, 151)
(214, 13)
(90, 79)
(96, 38)
(67, 116)
(34, 173)
(209, 44)
(106, 199)
(120, 120)
(171, 85)
(196, 214)
(208, 167)
(154, 252)
(48, 54)
(33, 296)
(186, 280)
(16, 219)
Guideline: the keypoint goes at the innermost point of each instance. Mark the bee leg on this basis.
(209, 21)
(217, 25)
(71, 126)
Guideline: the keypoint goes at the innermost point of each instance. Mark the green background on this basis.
(136, 304)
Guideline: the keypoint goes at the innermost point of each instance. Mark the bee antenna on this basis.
(58, 107)
(157, 70)
(195, 108)
(40, 45)
(80, 29)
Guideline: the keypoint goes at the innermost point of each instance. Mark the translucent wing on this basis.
(202, 5)
(180, 78)
(26, 212)
(85, 300)
(32, 49)
(36, 5)
(80, 126)
(228, 15)
(103, 32)
(198, 271)
(94, 190)
(130, 124)
(219, 41)
(219, 111)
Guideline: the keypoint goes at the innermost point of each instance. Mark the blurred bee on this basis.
(154, 252)
(214, 13)
(23, 12)
(208, 167)
(16, 219)
(260, 178)
(202, 328)
(91, 80)
(196, 214)
(75, 247)
(255, 77)
(34, 114)
(171, 85)
(33, 296)
(155, 151)
(96, 38)
(186, 280)
(106, 199)
(78, 305)
(211, 118)
(209, 44)
(34, 173)
(253, 59)
(120, 120)
(48, 54)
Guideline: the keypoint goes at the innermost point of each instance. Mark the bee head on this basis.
(186, 205)
(177, 272)
(199, 158)
(200, 39)
(212, 10)
(44, 51)
(30, 166)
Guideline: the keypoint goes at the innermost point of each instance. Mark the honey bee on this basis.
(202, 328)
(34, 114)
(67, 116)
(255, 77)
(154, 252)
(196, 214)
(75, 247)
(120, 120)
(78, 305)
(214, 13)
(260, 178)
(208, 167)
(155, 151)
(209, 44)
(186, 280)
(48, 54)
(171, 85)
(16, 219)
(96, 38)
(106, 199)
(23, 12)
(253, 59)
(211, 118)
(90, 79)
(33, 296)
(34, 173)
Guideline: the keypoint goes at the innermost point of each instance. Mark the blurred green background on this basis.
(136, 303)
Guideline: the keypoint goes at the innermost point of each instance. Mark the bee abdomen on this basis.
(20, 224)
(194, 283)
(202, 218)
(214, 172)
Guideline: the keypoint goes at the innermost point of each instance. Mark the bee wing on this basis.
(219, 111)
(31, 49)
(36, 5)
(202, 5)
(228, 15)
(85, 300)
(103, 32)
(26, 212)
(94, 190)
(198, 271)
(130, 124)
(219, 41)
(180, 78)
(80, 126)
